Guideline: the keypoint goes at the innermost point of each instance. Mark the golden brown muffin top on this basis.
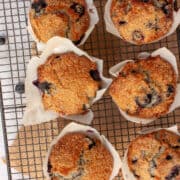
(142, 21)
(145, 88)
(78, 156)
(68, 82)
(155, 156)
(67, 18)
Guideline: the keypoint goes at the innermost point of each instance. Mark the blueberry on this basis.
(170, 89)
(91, 144)
(49, 167)
(95, 75)
(122, 22)
(168, 157)
(134, 160)
(175, 171)
(137, 35)
(44, 86)
(143, 102)
(38, 5)
(2, 40)
(166, 10)
(19, 88)
(78, 41)
(78, 8)
(145, 1)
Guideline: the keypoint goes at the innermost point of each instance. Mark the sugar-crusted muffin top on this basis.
(145, 88)
(78, 156)
(67, 18)
(142, 21)
(68, 83)
(155, 156)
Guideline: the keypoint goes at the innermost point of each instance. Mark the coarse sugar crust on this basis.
(142, 21)
(68, 82)
(67, 18)
(80, 156)
(145, 88)
(155, 156)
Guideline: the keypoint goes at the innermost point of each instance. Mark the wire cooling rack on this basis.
(26, 146)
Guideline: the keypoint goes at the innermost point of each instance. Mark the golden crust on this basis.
(58, 18)
(76, 153)
(142, 22)
(154, 155)
(145, 88)
(72, 87)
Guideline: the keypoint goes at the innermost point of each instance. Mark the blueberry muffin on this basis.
(67, 18)
(155, 156)
(142, 21)
(78, 156)
(145, 88)
(68, 83)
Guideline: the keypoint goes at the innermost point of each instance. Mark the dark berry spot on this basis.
(44, 86)
(38, 5)
(166, 10)
(145, 1)
(122, 22)
(78, 8)
(19, 88)
(91, 145)
(57, 57)
(168, 157)
(49, 167)
(175, 171)
(78, 41)
(143, 101)
(133, 71)
(95, 75)
(2, 40)
(176, 147)
(137, 35)
(170, 89)
(134, 161)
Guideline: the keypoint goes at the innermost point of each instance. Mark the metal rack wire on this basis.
(26, 149)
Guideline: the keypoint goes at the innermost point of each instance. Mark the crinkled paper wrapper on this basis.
(166, 55)
(112, 29)
(72, 128)
(94, 19)
(127, 174)
(35, 112)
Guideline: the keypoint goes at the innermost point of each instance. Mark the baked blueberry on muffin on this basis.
(142, 21)
(68, 83)
(78, 156)
(145, 88)
(155, 156)
(67, 18)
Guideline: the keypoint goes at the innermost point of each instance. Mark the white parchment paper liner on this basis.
(34, 112)
(72, 128)
(94, 19)
(166, 55)
(112, 29)
(127, 174)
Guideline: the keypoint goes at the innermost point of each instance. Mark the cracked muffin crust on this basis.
(155, 156)
(145, 88)
(67, 18)
(78, 156)
(142, 21)
(68, 83)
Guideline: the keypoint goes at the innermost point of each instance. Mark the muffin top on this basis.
(78, 156)
(67, 18)
(142, 21)
(155, 156)
(145, 88)
(68, 83)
